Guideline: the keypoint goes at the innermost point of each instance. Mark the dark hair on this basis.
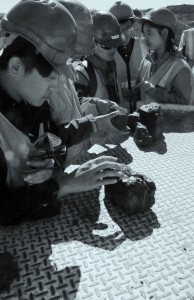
(170, 38)
(29, 56)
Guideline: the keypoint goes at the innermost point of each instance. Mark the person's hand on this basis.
(90, 175)
(104, 124)
(145, 86)
(38, 171)
(105, 106)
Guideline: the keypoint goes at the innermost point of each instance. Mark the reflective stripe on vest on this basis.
(139, 52)
(101, 90)
(64, 102)
(163, 76)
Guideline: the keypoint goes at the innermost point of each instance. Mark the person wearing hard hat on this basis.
(187, 45)
(97, 73)
(64, 102)
(129, 55)
(164, 75)
(34, 55)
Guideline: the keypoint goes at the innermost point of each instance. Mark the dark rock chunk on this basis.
(132, 120)
(141, 136)
(120, 121)
(151, 117)
(133, 192)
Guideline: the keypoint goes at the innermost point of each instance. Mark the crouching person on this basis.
(31, 177)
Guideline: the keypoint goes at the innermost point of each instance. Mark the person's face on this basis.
(104, 52)
(35, 89)
(154, 40)
(126, 28)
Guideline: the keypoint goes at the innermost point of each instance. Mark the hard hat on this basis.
(92, 11)
(122, 11)
(107, 30)
(46, 24)
(138, 13)
(85, 30)
(161, 16)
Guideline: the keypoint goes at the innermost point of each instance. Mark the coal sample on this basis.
(120, 121)
(133, 192)
(141, 136)
(133, 119)
(151, 117)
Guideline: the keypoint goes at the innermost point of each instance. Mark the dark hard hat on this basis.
(161, 16)
(85, 29)
(122, 11)
(107, 30)
(46, 24)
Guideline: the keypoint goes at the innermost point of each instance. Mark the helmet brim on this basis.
(125, 19)
(115, 42)
(144, 18)
(157, 22)
(68, 71)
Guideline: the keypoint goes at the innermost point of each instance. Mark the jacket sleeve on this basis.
(180, 90)
(77, 130)
(27, 203)
(82, 84)
(64, 102)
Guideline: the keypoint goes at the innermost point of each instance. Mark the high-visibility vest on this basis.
(163, 76)
(64, 102)
(100, 86)
(187, 40)
(187, 43)
(138, 53)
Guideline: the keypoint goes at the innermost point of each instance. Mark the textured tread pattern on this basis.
(94, 250)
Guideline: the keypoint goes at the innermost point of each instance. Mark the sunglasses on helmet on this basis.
(123, 21)
(106, 47)
(126, 24)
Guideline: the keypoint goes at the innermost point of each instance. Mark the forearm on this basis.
(161, 95)
(76, 131)
(180, 89)
(88, 106)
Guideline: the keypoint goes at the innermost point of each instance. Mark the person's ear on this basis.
(15, 65)
(165, 33)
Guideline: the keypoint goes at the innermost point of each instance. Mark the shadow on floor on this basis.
(135, 227)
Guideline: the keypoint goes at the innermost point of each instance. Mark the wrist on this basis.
(62, 186)
(93, 121)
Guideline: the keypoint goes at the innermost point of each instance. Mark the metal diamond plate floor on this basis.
(94, 250)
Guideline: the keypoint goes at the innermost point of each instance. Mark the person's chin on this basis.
(151, 48)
